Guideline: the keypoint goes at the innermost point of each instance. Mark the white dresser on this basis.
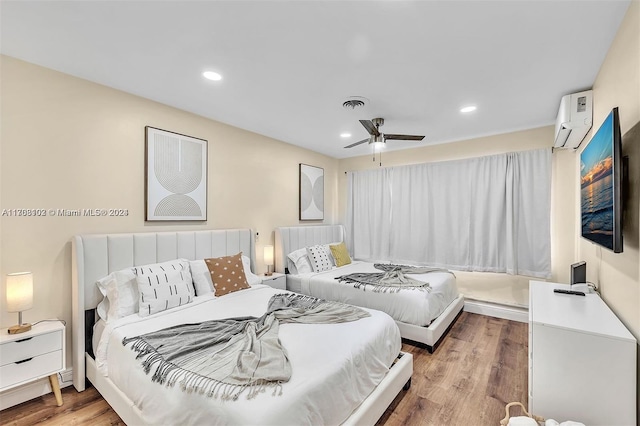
(582, 359)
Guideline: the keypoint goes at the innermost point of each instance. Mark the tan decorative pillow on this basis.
(340, 254)
(227, 274)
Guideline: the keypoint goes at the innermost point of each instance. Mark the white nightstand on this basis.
(32, 355)
(276, 280)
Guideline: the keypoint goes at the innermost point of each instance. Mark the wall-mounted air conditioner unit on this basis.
(574, 119)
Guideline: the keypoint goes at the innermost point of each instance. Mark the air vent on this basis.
(354, 102)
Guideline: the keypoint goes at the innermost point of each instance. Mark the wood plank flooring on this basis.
(480, 366)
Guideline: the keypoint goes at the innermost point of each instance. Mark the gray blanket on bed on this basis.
(223, 358)
(393, 278)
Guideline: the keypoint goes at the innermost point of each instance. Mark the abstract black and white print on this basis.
(176, 176)
(311, 192)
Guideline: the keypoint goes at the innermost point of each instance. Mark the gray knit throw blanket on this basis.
(223, 358)
(392, 280)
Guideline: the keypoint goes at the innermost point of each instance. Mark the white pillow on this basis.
(319, 258)
(301, 261)
(291, 267)
(202, 277)
(251, 277)
(120, 292)
(165, 289)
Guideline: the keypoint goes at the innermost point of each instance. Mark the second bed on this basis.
(422, 316)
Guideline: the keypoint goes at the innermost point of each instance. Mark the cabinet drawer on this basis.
(36, 367)
(276, 282)
(11, 352)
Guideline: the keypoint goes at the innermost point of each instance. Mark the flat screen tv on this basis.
(601, 185)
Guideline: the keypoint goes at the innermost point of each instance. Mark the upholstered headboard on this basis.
(291, 238)
(96, 256)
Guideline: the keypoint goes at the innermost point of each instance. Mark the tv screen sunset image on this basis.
(596, 186)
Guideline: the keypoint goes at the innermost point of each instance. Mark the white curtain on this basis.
(482, 214)
(368, 208)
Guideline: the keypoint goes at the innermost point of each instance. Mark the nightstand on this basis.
(29, 356)
(276, 280)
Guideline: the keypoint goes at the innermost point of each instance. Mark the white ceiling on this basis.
(288, 66)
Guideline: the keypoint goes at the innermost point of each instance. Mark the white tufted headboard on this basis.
(291, 238)
(96, 256)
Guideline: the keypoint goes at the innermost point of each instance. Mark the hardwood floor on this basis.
(78, 408)
(480, 366)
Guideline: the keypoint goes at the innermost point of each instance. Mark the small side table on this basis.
(29, 356)
(276, 280)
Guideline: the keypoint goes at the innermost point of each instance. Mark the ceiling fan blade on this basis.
(357, 143)
(403, 137)
(371, 128)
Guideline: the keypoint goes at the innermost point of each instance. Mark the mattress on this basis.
(294, 282)
(410, 306)
(350, 357)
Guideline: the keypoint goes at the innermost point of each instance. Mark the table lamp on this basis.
(268, 259)
(19, 298)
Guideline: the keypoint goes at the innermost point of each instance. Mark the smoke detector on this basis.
(354, 102)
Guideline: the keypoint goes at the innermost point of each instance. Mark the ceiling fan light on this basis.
(469, 108)
(211, 75)
(377, 141)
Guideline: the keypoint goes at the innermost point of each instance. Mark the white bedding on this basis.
(335, 366)
(410, 306)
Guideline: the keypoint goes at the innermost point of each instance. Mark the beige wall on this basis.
(69, 143)
(618, 84)
(500, 288)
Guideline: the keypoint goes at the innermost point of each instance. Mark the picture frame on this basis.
(311, 198)
(175, 176)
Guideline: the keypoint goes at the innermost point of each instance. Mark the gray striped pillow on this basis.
(163, 289)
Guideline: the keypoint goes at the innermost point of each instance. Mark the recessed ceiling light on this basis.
(469, 108)
(210, 75)
(345, 135)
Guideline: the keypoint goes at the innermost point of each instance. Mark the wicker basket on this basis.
(505, 421)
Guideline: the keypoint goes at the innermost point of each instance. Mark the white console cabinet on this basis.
(582, 359)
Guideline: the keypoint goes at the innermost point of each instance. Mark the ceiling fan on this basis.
(373, 127)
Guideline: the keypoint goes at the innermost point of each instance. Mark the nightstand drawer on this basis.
(30, 369)
(276, 280)
(30, 347)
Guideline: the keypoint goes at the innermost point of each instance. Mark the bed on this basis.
(344, 350)
(422, 317)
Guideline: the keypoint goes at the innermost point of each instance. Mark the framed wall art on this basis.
(176, 176)
(311, 192)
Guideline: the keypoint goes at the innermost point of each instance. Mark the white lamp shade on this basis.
(19, 291)
(268, 255)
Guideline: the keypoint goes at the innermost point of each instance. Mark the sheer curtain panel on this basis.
(368, 209)
(481, 214)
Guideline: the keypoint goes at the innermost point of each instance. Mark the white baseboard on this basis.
(513, 313)
(32, 390)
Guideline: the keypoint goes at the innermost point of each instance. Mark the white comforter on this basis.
(409, 306)
(335, 366)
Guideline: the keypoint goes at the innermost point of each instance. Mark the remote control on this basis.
(576, 293)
